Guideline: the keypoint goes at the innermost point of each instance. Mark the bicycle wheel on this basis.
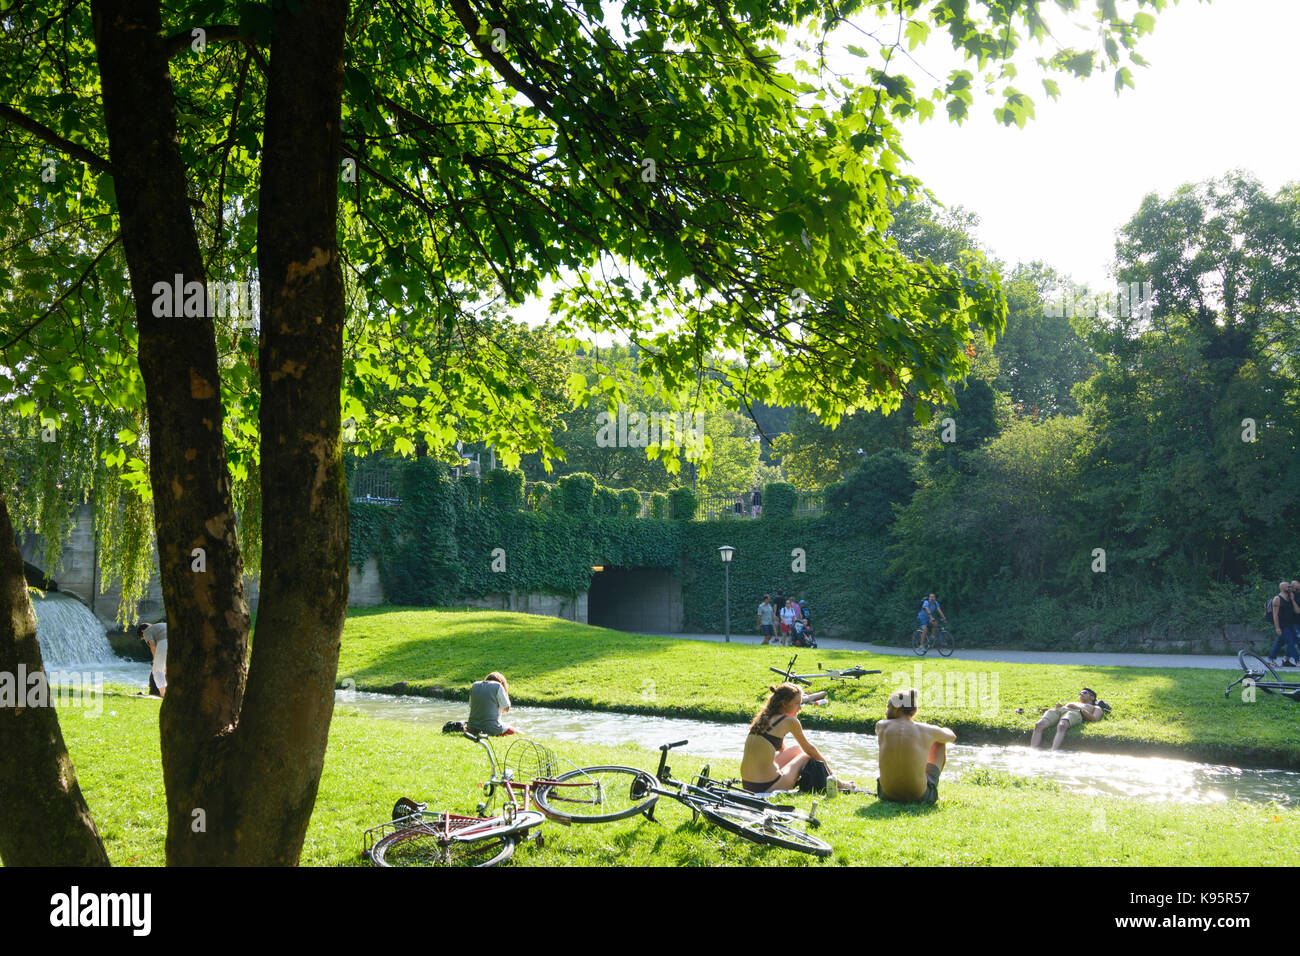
(761, 828)
(597, 795)
(1257, 669)
(419, 846)
(944, 642)
(917, 637)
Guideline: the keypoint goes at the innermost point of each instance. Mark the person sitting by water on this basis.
(155, 636)
(488, 700)
(1065, 716)
(768, 764)
(912, 753)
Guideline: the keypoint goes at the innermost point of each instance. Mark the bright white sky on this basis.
(1215, 97)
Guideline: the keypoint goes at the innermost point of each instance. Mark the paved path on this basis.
(1088, 659)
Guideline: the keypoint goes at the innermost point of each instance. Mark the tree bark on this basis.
(242, 768)
(207, 615)
(302, 604)
(44, 820)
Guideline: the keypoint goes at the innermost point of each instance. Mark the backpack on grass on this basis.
(813, 777)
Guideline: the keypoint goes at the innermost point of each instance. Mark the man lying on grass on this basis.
(912, 754)
(1065, 716)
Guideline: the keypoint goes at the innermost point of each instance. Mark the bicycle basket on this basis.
(529, 760)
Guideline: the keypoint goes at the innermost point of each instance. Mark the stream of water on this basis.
(854, 756)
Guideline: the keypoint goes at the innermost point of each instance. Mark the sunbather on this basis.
(1064, 716)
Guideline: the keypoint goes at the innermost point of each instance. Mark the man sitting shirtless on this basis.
(912, 754)
(1065, 716)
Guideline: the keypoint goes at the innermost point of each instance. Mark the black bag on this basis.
(454, 727)
(813, 777)
(1268, 611)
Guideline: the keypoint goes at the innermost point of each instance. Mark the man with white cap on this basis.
(912, 753)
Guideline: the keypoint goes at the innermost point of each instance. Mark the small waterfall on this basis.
(69, 634)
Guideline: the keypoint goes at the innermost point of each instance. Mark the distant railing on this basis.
(810, 503)
(723, 506)
(376, 482)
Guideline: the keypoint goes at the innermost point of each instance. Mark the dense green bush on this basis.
(504, 489)
(469, 490)
(779, 500)
(421, 563)
(865, 500)
(659, 505)
(576, 494)
(842, 578)
(682, 503)
(538, 496)
(630, 500)
(606, 502)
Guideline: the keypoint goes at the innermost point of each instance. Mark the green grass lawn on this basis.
(551, 662)
(986, 818)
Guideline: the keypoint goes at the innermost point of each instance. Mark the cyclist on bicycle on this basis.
(925, 618)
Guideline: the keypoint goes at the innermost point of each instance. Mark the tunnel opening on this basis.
(640, 600)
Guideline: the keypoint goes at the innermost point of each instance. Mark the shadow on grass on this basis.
(889, 810)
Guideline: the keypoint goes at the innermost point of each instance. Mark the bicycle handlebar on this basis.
(667, 747)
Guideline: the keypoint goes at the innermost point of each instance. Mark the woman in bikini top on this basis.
(776, 767)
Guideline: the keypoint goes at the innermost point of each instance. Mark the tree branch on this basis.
(57, 302)
(465, 14)
(44, 133)
(180, 42)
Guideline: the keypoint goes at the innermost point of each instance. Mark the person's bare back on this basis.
(908, 748)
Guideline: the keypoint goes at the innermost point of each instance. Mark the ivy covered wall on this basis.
(461, 539)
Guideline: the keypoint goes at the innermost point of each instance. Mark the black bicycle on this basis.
(1257, 672)
(595, 794)
(849, 673)
(941, 640)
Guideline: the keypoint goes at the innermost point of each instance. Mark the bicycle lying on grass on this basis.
(417, 837)
(603, 794)
(806, 679)
(1258, 673)
(941, 641)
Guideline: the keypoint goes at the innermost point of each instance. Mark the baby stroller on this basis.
(803, 635)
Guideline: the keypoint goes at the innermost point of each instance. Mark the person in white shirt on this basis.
(155, 635)
(787, 622)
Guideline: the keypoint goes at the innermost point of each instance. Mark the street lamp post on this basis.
(726, 551)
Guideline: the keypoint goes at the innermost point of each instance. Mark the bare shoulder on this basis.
(941, 733)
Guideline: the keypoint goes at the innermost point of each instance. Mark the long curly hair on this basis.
(777, 701)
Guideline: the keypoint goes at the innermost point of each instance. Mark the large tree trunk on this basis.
(303, 599)
(44, 820)
(241, 771)
(206, 612)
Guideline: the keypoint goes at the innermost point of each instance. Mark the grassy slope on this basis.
(984, 819)
(1179, 711)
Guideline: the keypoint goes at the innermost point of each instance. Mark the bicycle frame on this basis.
(664, 785)
(848, 672)
(505, 780)
(1284, 688)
